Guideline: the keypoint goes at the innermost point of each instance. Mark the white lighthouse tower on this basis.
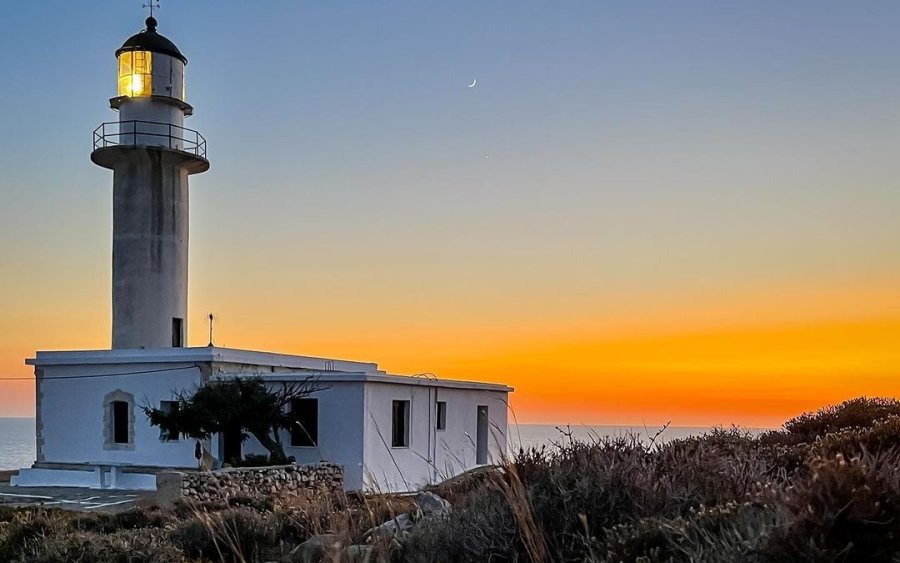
(151, 155)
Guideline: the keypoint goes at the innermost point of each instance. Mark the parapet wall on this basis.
(250, 481)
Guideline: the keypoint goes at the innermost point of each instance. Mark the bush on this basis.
(28, 527)
(235, 534)
(309, 513)
(847, 510)
(254, 460)
(483, 528)
(128, 546)
(135, 518)
(882, 436)
(731, 532)
(861, 412)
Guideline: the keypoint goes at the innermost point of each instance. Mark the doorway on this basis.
(231, 446)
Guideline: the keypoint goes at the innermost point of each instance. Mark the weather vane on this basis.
(152, 4)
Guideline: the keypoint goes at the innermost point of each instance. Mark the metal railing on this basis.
(137, 133)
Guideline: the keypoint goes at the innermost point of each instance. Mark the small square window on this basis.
(441, 423)
(170, 408)
(400, 424)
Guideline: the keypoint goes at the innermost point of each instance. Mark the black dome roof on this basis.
(149, 40)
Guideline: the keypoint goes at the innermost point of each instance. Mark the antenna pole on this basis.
(211, 318)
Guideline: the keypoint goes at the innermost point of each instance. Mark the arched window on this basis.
(118, 421)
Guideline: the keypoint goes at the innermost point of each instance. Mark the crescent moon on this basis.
(474, 82)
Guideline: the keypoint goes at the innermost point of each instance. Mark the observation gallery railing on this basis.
(137, 133)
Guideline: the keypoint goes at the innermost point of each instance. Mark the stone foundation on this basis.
(249, 482)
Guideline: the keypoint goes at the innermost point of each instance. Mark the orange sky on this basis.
(752, 359)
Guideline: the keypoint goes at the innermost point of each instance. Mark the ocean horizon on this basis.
(17, 436)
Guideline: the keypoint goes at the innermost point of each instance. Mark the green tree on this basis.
(248, 407)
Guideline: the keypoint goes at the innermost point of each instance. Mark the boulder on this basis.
(432, 505)
(393, 527)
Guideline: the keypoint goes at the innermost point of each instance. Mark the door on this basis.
(481, 444)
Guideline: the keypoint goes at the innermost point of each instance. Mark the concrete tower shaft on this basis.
(152, 156)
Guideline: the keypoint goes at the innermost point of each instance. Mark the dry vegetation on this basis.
(824, 488)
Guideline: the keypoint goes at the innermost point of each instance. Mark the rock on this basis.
(315, 549)
(395, 526)
(432, 505)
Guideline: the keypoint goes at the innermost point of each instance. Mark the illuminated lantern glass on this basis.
(135, 78)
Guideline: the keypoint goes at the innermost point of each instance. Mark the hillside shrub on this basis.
(861, 412)
(848, 510)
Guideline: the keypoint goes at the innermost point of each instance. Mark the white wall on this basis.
(455, 447)
(71, 413)
(340, 432)
(432, 455)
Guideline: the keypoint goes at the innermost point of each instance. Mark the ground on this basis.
(70, 498)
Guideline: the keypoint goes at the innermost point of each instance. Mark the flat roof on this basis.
(325, 369)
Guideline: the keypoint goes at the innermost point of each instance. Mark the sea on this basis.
(16, 443)
(17, 437)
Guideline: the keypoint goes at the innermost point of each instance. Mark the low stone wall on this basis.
(249, 481)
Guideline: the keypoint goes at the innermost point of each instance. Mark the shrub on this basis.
(584, 488)
(482, 528)
(880, 436)
(235, 534)
(28, 527)
(861, 412)
(309, 513)
(129, 546)
(139, 517)
(847, 510)
(254, 460)
(731, 532)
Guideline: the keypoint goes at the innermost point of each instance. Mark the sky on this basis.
(643, 212)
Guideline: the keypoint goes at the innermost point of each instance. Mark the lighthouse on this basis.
(152, 155)
(386, 431)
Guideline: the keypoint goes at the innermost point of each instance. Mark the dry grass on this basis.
(825, 488)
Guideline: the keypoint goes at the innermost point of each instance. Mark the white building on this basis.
(388, 431)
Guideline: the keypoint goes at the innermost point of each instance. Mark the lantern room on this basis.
(150, 65)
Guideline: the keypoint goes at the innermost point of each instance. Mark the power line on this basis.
(94, 375)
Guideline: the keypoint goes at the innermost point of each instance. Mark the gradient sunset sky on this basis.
(643, 212)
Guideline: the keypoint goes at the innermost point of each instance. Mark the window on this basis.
(305, 433)
(481, 447)
(441, 423)
(120, 421)
(168, 407)
(135, 77)
(400, 424)
(177, 333)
